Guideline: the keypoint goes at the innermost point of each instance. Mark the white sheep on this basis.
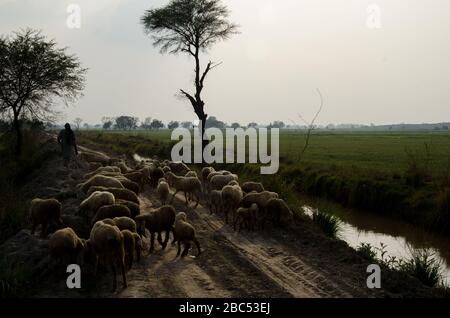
(65, 246)
(218, 182)
(184, 233)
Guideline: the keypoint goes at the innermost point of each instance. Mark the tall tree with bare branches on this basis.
(191, 27)
(34, 73)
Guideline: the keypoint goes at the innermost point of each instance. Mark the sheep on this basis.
(156, 174)
(233, 183)
(178, 168)
(101, 170)
(248, 187)
(94, 165)
(122, 165)
(186, 185)
(123, 223)
(128, 184)
(215, 201)
(157, 221)
(231, 197)
(66, 246)
(45, 212)
(92, 156)
(184, 233)
(163, 191)
(219, 181)
(111, 211)
(278, 212)
(246, 217)
(191, 174)
(107, 242)
(206, 171)
(99, 180)
(135, 208)
(166, 169)
(137, 177)
(96, 200)
(132, 244)
(261, 199)
(122, 194)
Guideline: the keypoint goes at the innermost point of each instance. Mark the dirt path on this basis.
(296, 262)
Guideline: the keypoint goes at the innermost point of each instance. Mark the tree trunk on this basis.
(17, 128)
(204, 142)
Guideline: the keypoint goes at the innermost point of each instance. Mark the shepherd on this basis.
(66, 139)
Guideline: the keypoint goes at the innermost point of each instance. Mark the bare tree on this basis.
(33, 74)
(190, 26)
(78, 122)
(310, 126)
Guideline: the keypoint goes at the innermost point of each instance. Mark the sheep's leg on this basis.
(152, 242)
(187, 246)
(166, 240)
(33, 228)
(185, 197)
(138, 253)
(173, 197)
(174, 236)
(197, 195)
(198, 246)
(179, 249)
(160, 241)
(124, 275)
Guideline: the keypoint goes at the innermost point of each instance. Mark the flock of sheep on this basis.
(112, 208)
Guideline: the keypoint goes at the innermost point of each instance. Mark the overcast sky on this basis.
(287, 48)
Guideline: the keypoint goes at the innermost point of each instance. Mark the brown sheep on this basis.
(231, 197)
(190, 186)
(155, 175)
(184, 233)
(278, 212)
(135, 209)
(65, 246)
(246, 217)
(157, 221)
(248, 187)
(137, 177)
(179, 168)
(46, 213)
(96, 200)
(133, 245)
(110, 212)
(108, 244)
(128, 184)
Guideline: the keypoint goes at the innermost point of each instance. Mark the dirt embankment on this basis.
(294, 262)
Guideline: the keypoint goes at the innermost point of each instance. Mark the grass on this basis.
(329, 224)
(13, 277)
(424, 266)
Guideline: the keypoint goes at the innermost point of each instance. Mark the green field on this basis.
(367, 152)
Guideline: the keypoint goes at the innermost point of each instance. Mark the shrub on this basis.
(328, 223)
(424, 266)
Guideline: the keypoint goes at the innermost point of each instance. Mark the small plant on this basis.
(329, 224)
(424, 266)
(367, 251)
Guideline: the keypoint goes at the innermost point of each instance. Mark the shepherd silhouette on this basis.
(66, 139)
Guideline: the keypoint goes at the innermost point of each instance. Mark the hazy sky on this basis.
(286, 49)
